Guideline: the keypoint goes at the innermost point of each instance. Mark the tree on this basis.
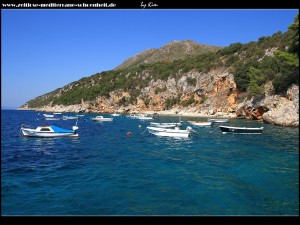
(294, 40)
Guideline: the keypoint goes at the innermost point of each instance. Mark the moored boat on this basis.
(164, 132)
(218, 120)
(101, 119)
(145, 117)
(166, 125)
(241, 130)
(200, 124)
(48, 115)
(49, 131)
(70, 117)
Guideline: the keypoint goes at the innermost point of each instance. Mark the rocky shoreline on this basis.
(273, 109)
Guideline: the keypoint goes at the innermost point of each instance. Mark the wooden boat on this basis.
(164, 132)
(200, 124)
(49, 131)
(102, 119)
(241, 130)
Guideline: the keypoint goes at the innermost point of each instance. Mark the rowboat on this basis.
(241, 130)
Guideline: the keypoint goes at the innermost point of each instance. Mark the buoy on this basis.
(128, 133)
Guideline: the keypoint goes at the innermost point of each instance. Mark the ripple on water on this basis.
(106, 172)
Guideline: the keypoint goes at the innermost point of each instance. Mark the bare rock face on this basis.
(284, 111)
(273, 109)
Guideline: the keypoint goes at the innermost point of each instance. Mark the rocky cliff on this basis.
(209, 93)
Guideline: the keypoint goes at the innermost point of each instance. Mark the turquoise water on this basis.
(106, 172)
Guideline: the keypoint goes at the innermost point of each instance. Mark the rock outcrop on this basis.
(274, 109)
(283, 111)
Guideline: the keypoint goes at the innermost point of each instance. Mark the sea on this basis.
(107, 171)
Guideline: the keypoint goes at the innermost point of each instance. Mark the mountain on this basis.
(172, 51)
(257, 80)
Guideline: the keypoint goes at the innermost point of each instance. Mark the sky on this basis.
(42, 50)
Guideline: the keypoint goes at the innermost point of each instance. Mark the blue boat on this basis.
(49, 131)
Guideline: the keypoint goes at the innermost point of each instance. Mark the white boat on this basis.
(200, 124)
(101, 119)
(241, 130)
(164, 132)
(49, 131)
(166, 125)
(48, 115)
(115, 114)
(145, 117)
(133, 116)
(70, 117)
(218, 120)
(53, 118)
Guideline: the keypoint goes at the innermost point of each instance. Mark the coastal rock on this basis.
(274, 109)
(283, 111)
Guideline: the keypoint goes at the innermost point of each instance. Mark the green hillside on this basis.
(272, 58)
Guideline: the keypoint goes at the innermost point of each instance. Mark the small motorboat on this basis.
(145, 117)
(176, 132)
(101, 119)
(49, 131)
(218, 120)
(200, 124)
(241, 130)
(48, 115)
(70, 117)
(166, 125)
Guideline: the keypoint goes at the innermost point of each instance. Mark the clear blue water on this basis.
(106, 172)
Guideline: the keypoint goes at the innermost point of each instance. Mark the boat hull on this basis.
(102, 120)
(168, 132)
(165, 125)
(241, 130)
(33, 133)
(49, 131)
(218, 120)
(200, 124)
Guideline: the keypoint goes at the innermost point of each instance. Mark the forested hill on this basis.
(172, 51)
(208, 79)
